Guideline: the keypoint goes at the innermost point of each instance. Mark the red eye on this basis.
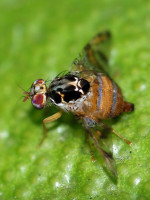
(39, 101)
(38, 81)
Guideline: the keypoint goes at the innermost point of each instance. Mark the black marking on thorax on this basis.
(67, 88)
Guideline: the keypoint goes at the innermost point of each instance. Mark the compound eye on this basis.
(39, 81)
(39, 101)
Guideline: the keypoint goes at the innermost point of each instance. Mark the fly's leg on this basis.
(107, 127)
(126, 141)
(46, 121)
(90, 148)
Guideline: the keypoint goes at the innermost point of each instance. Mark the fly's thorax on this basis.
(68, 92)
(38, 94)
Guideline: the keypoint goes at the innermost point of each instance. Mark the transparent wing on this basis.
(94, 130)
(103, 149)
(94, 56)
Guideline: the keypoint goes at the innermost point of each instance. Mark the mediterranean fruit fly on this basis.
(87, 91)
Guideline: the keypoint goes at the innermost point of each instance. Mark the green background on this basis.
(39, 39)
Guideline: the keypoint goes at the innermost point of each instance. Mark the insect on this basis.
(87, 91)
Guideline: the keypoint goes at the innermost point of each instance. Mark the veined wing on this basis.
(94, 56)
(94, 131)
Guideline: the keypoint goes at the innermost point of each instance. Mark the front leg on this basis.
(46, 121)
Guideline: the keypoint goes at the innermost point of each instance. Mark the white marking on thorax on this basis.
(72, 105)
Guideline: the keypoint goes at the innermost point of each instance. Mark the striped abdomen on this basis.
(107, 99)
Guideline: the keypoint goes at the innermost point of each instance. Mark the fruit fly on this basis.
(87, 91)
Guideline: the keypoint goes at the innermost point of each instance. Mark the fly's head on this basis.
(38, 94)
(61, 91)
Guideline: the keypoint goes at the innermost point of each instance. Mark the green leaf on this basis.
(39, 39)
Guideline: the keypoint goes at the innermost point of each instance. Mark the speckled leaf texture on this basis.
(39, 39)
